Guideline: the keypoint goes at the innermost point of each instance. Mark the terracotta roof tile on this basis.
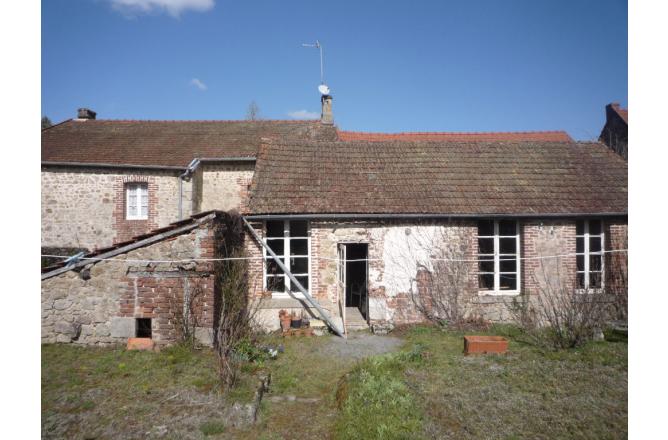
(537, 136)
(473, 178)
(167, 143)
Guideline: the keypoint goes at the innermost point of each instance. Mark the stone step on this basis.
(354, 320)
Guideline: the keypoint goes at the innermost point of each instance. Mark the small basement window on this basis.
(143, 327)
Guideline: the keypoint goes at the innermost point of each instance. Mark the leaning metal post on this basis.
(295, 282)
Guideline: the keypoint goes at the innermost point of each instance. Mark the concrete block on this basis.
(122, 327)
(204, 335)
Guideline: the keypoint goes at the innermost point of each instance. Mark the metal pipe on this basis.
(294, 280)
(192, 166)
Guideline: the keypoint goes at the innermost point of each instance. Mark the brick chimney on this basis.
(86, 113)
(326, 116)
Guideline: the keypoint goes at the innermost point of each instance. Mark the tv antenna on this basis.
(322, 88)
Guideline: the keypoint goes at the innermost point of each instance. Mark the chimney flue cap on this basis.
(86, 113)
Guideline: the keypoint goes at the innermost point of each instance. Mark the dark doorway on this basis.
(356, 276)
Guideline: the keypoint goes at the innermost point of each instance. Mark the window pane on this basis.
(303, 281)
(507, 245)
(486, 282)
(277, 246)
(144, 211)
(507, 281)
(580, 262)
(579, 245)
(486, 245)
(594, 280)
(132, 210)
(595, 262)
(299, 246)
(594, 227)
(486, 266)
(594, 244)
(298, 229)
(275, 228)
(507, 227)
(299, 265)
(579, 227)
(508, 265)
(485, 227)
(581, 280)
(273, 268)
(276, 284)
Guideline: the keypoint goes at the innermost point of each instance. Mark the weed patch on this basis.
(375, 401)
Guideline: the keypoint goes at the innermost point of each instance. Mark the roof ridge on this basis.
(451, 132)
(296, 121)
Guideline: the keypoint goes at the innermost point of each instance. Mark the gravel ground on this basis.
(359, 345)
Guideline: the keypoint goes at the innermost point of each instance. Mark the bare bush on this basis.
(617, 282)
(186, 311)
(559, 314)
(437, 267)
(234, 309)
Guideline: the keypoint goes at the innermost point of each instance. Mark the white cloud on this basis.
(197, 83)
(303, 114)
(172, 7)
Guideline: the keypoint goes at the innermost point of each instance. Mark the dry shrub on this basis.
(560, 315)
(439, 286)
(186, 311)
(234, 311)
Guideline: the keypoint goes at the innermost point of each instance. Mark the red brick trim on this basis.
(125, 229)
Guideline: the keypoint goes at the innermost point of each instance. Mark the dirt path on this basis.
(360, 345)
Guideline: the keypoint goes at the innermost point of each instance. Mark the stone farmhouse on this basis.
(349, 227)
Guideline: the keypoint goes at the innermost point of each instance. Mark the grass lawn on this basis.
(426, 389)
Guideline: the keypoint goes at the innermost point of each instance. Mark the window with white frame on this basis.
(136, 207)
(498, 256)
(289, 240)
(589, 245)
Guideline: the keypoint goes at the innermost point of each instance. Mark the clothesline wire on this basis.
(489, 257)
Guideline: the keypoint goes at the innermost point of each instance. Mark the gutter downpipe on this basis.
(294, 281)
(186, 175)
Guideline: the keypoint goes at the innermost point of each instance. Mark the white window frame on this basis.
(497, 262)
(286, 258)
(586, 253)
(136, 188)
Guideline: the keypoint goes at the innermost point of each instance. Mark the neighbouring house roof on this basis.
(537, 136)
(448, 178)
(622, 112)
(167, 143)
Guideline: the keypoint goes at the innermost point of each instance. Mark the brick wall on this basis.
(394, 248)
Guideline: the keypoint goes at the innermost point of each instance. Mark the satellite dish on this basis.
(323, 89)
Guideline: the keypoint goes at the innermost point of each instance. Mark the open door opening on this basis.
(356, 276)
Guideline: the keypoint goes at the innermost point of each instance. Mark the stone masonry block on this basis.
(122, 327)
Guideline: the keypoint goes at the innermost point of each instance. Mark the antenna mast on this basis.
(317, 45)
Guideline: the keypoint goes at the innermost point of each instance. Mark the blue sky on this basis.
(392, 66)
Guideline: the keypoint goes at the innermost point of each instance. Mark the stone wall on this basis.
(85, 208)
(100, 304)
(225, 186)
